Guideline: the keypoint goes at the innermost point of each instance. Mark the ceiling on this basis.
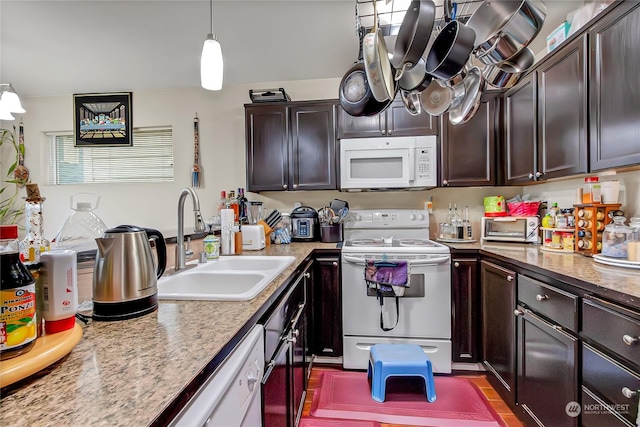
(52, 47)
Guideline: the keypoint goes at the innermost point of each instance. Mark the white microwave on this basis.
(388, 163)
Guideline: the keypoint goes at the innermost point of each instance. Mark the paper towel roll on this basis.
(227, 244)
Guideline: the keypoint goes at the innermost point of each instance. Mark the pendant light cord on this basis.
(211, 14)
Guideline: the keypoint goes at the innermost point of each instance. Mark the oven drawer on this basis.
(556, 305)
(611, 382)
(613, 327)
(356, 351)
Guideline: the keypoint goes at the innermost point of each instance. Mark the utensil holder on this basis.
(331, 233)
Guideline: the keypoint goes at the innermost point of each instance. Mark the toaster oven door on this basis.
(505, 228)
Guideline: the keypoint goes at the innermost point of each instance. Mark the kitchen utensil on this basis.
(356, 97)
(499, 78)
(337, 205)
(436, 99)
(376, 63)
(413, 35)
(411, 101)
(518, 63)
(450, 50)
(304, 224)
(504, 27)
(21, 173)
(470, 102)
(273, 218)
(416, 78)
(124, 276)
(195, 175)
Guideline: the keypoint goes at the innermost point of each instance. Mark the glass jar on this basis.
(615, 237)
(633, 245)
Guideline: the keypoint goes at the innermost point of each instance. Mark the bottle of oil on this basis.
(18, 318)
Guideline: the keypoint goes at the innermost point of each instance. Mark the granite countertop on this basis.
(137, 372)
(126, 373)
(616, 283)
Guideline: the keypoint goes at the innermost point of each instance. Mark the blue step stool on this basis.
(388, 360)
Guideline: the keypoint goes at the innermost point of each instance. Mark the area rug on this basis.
(346, 395)
(333, 422)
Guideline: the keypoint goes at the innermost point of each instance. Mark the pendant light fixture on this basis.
(211, 64)
(9, 102)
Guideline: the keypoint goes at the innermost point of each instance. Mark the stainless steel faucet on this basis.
(198, 226)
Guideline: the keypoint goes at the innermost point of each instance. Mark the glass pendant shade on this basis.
(11, 102)
(5, 114)
(211, 64)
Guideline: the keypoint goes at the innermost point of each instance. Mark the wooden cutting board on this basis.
(48, 350)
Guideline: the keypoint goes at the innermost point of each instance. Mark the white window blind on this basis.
(150, 159)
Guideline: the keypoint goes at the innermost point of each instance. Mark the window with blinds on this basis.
(149, 159)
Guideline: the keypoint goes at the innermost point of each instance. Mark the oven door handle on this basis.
(415, 262)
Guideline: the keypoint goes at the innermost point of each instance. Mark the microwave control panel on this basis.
(424, 168)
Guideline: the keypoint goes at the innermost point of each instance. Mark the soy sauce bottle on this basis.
(18, 319)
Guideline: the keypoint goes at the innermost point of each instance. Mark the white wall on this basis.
(222, 157)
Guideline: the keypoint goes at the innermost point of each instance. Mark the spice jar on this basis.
(615, 237)
(592, 190)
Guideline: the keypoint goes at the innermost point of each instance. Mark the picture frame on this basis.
(102, 119)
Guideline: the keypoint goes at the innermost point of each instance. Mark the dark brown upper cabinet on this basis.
(614, 90)
(546, 119)
(394, 121)
(468, 155)
(291, 146)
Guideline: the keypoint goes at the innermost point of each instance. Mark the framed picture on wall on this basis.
(102, 119)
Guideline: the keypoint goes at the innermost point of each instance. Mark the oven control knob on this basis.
(420, 217)
(412, 217)
(358, 218)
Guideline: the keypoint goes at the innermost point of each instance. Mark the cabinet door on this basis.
(360, 127)
(469, 149)
(547, 371)
(327, 308)
(313, 147)
(276, 390)
(400, 123)
(499, 327)
(267, 145)
(562, 112)
(614, 93)
(298, 367)
(521, 131)
(465, 311)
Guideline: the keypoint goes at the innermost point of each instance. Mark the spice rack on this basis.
(590, 222)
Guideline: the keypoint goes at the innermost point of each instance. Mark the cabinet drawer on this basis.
(614, 327)
(558, 306)
(596, 413)
(611, 382)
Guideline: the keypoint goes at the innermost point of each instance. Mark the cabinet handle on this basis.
(284, 186)
(295, 332)
(629, 340)
(306, 275)
(390, 131)
(518, 312)
(510, 278)
(539, 174)
(531, 176)
(445, 182)
(251, 382)
(456, 264)
(295, 186)
(541, 297)
(384, 132)
(292, 340)
(334, 263)
(628, 393)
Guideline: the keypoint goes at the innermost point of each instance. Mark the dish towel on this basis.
(387, 277)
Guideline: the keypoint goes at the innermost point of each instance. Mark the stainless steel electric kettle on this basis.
(125, 275)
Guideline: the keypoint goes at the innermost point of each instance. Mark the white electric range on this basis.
(422, 313)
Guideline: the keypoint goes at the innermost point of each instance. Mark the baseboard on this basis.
(323, 360)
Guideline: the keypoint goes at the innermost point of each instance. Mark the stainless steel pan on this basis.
(377, 64)
(504, 27)
(413, 35)
(450, 50)
(468, 104)
(506, 74)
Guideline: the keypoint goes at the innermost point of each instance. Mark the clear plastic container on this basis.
(83, 226)
(633, 245)
(592, 192)
(615, 238)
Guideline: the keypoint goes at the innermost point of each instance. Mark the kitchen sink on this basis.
(227, 279)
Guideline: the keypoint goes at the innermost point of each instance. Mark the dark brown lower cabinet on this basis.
(498, 290)
(547, 372)
(465, 311)
(326, 306)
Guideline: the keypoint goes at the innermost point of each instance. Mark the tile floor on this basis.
(478, 378)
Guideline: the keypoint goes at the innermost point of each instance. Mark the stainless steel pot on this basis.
(468, 105)
(506, 74)
(504, 27)
(377, 64)
(415, 78)
(411, 101)
(413, 34)
(355, 95)
(436, 98)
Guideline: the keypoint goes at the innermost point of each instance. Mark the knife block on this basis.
(588, 232)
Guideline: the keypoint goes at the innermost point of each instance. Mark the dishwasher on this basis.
(231, 397)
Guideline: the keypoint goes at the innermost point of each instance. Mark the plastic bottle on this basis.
(18, 317)
(80, 230)
(467, 224)
(222, 202)
(59, 278)
(242, 207)
(232, 203)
